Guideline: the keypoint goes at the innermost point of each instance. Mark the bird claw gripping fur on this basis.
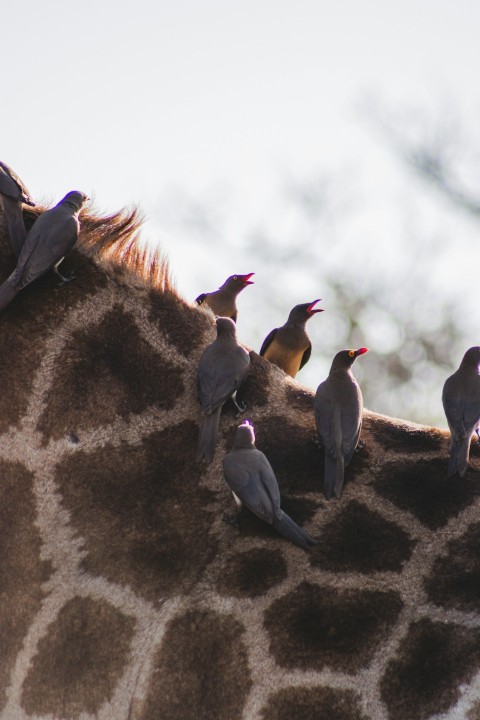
(68, 277)
(316, 440)
(360, 445)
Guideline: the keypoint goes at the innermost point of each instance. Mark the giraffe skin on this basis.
(123, 594)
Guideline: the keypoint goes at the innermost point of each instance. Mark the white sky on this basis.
(224, 100)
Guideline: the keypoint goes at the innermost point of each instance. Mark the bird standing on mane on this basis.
(223, 367)
(289, 346)
(14, 194)
(338, 414)
(461, 402)
(222, 302)
(52, 236)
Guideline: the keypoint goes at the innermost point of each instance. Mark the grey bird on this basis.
(14, 194)
(222, 302)
(223, 367)
(289, 346)
(252, 481)
(52, 236)
(461, 402)
(338, 414)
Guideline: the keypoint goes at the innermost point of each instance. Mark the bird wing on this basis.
(52, 236)
(242, 470)
(306, 356)
(268, 341)
(12, 186)
(460, 409)
(351, 422)
(324, 406)
(269, 482)
(199, 300)
(220, 373)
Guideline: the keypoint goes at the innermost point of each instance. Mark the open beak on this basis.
(246, 279)
(311, 310)
(360, 351)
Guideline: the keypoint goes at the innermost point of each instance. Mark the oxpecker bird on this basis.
(14, 194)
(52, 236)
(252, 481)
(222, 302)
(338, 414)
(289, 346)
(461, 402)
(223, 367)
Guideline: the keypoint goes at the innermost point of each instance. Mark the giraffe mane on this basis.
(114, 242)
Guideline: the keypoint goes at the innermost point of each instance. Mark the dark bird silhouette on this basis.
(289, 346)
(52, 236)
(252, 481)
(461, 402)
(14, 194)
(222, 302)
(338, 414)
(223, 367)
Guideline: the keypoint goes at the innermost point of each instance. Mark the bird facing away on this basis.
(52, 236)
(338, 414)
(222, 302)
(14, 194)
(223, 367)
(289, 346)
(461, 402)
(252, 481)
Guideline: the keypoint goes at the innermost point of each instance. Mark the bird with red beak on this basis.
(222, 302)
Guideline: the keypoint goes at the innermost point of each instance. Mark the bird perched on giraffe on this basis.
(252, 481)
(289, 346)
(14, 195)
(338, 414)
(223, 302)
(52, 236)
(223, 367)
(461, 402)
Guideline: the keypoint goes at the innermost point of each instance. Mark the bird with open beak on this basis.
(222, 302)
(289, 346)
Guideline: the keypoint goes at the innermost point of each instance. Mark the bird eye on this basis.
(351, 353)
(234, 277)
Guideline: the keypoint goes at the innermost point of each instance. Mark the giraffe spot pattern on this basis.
(402, 438)
(75, 670)
(454, 582)
(434, 660)
(201, 672)
(313, 627)
(423, 489)
(183, 326)
(360, 540)
(251, 573)
(149, 506)
(313, 704)
(21, 570)
(107, 370)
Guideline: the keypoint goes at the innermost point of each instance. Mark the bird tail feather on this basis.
(7, 293)
(330, 475)
(339, 476)
(207, 438)
(293, 532)
(459, 452)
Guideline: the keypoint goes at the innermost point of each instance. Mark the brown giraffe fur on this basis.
(123, 595)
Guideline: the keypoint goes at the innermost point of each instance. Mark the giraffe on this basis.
(124, 595)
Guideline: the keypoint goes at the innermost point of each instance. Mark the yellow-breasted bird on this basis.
(289, 346)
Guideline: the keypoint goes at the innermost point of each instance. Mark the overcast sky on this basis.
(224, 102)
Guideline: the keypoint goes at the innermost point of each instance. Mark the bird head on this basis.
(75, 198)
(245, 435)
(472, 357)
(238, 282)
(346, 358)
(225, 326)
(302, 313)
